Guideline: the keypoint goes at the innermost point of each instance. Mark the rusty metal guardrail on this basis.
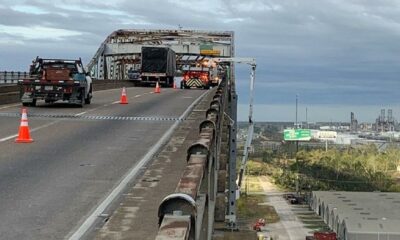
(189, 212)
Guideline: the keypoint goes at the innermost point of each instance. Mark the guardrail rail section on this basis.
(11, 77)
(199, 198)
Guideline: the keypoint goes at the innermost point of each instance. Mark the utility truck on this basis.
(54, 80)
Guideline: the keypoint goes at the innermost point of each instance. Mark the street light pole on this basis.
(296, 125)
(297, 149)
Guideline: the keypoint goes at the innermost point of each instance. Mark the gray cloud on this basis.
(329, 52)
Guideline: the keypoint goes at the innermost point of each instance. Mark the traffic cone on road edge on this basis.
(23, 134)
(157, 90)
(124, 99)
(174, 86)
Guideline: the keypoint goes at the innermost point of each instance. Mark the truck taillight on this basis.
(27, 89)
(67, 90)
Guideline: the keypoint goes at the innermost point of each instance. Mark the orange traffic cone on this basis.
(174, 86)
(23, 133)
(157, 90)
(124, 99)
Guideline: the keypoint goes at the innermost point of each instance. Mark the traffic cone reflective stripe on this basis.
(23, 133)
(157, 90)
(124, 99)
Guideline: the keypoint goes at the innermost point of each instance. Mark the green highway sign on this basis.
(297, 134)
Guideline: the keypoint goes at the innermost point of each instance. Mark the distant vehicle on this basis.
(158, 65)
(52, 80)
(260, 223)
(198, 77)
(133, 74)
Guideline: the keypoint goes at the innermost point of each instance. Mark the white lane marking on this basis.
(31, 130)
(12, 105)
(78, 114)
(132, 174)
(137, 95)
(115, 102)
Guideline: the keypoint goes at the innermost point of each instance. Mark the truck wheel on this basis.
(82, 98)
(88, 98)
(25, 104)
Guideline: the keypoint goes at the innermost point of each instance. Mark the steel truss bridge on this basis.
(198, 203)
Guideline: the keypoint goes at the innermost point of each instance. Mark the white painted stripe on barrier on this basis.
(132, 174)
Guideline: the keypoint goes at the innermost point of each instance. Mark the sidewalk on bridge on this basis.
(136, 216)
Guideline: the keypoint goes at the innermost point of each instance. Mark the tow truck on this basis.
(198, 77)
(52, 80)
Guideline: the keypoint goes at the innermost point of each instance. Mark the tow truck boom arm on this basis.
(253, 64)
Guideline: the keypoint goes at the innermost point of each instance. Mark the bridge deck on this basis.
(136, 217)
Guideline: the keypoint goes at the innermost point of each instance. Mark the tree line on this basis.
(362, 168)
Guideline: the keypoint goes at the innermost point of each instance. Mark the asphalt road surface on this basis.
(50, 186)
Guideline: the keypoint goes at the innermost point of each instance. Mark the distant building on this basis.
(359, 215)
(385, 124)
(353, 123)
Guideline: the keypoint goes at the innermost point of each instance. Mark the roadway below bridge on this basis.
(48, 188)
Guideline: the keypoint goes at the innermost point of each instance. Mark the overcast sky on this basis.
(337, 55)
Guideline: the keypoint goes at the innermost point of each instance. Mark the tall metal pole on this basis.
(251, 128)
(232, 110)
(307, 118)
(297, 149)
(296, 125)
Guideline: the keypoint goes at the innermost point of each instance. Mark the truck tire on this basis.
(88, 98)
(25, 104)
(82, 98)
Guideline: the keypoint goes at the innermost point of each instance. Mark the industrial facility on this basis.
(359, 215)
(385, 123)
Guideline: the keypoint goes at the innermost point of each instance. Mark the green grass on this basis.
(251, 185)
(250, 210)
